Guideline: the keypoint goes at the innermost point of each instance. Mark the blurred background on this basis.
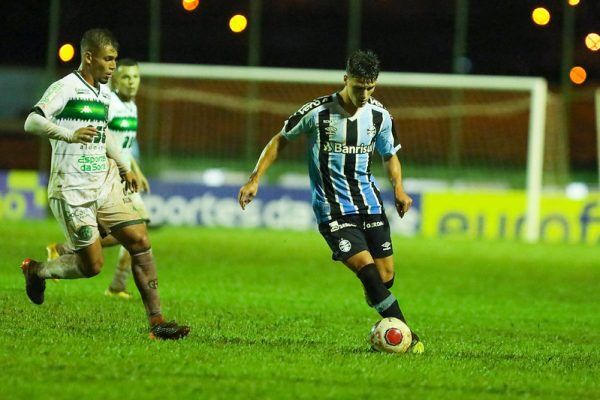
(207, 127)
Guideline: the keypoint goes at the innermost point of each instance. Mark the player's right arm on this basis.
(297, 124)
(142, 180)
(39, 125)
(267, 157)
(51, 104)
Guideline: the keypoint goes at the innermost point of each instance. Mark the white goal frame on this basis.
(537, 87)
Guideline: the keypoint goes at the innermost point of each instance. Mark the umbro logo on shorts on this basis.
(387, 246)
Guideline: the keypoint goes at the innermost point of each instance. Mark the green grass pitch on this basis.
(273, 318)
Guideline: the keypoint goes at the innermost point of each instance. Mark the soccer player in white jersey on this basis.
(84, 191)
(342, 131)
(122, 124)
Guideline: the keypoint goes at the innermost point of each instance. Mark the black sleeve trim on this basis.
(38, 111)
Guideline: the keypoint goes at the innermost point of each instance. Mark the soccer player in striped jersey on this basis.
(122, 124)
(84, 189)
(342, 131)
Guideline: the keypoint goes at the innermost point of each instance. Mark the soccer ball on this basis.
(390, 335)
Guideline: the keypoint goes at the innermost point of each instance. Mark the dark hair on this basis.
(363, 64)
(127, 62)
(95, 39)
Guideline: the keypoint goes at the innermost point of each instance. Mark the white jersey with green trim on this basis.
(122, 123)
(78, 171)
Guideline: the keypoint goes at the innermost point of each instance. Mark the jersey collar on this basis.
(338, 100)
(96, 92)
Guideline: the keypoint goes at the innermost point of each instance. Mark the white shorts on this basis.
(80, 223)
(139, 206)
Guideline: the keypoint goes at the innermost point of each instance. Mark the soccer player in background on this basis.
(122, 124)
(343, 129)
(84, 189)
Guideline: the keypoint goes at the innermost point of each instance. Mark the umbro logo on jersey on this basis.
(81, 91)
(329, 128)
(86, 110)
(372, 130)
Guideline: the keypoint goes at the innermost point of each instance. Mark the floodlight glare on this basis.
(541, 16)
(238, 23)
(578, 75)
(592, 41)
(66, 52)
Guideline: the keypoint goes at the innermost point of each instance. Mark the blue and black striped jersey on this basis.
(340, 148)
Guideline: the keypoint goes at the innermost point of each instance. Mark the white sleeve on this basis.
(53, 100)
(39, 125)
(113, 150)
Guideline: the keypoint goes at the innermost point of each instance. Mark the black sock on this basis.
(390, 283)
(382, 299)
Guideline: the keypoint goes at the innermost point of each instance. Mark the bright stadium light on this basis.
(66, 52)
(541, 16)
(578, 75)
(238, 23)
(573, 2)
(190, 5)
(592, 41)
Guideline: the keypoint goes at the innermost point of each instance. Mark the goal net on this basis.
(455, 130)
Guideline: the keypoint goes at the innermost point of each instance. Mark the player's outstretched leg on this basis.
(68, 266)
(382, 300)
(146, 280)
(55, 250)
(143, 268)
(34, 285)
(118, 286)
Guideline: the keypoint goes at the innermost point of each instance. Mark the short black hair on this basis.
(127, 62)
(95, 39)
(363, 64)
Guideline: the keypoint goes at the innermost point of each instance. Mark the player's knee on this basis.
(93, 267)
(387, 274)
(139, 243)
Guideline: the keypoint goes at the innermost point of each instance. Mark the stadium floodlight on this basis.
(540, 16)
(190, 5)
(503, 115)
(66, 52)
(238, 23)
(592, 41)
(578, 75)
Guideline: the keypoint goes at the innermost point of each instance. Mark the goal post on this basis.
(534, 106)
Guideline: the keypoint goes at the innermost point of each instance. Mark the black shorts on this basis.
(351, 234)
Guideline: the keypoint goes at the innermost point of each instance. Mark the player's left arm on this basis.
(113, 150)
(394, 170)
(386, 147)
(142, 180)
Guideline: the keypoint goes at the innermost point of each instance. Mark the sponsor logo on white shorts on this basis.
(345, 245)
(387, 246)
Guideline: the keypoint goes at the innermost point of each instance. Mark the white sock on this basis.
(122, 272)
(67, 266)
